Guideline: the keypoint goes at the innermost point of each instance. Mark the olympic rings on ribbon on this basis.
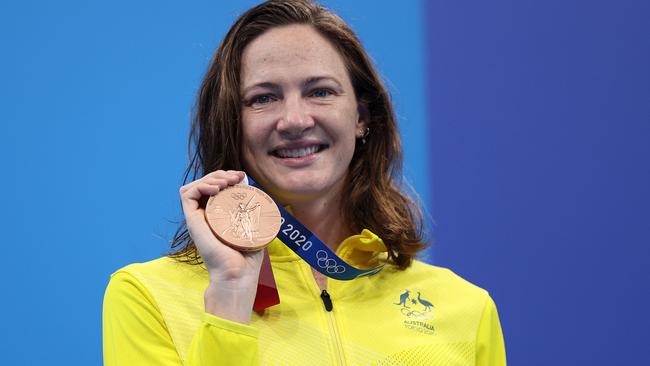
(328, 264)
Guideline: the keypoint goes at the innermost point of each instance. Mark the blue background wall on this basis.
(525, 124)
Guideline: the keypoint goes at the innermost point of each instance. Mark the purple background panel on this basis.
(539, 115)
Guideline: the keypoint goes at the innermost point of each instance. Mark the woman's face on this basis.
(300, 114)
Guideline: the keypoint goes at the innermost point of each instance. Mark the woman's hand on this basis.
(233, 274)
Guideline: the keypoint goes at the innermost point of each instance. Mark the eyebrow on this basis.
(265, 84)
(308, 82)
(315, 79)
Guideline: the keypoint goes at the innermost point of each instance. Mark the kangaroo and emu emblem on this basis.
(405, 298)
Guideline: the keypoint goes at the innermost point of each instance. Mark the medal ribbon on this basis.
(311, 249)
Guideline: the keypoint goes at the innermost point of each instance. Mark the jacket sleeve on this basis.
(490, 349)
(134, 332)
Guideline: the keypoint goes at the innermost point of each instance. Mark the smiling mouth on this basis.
(298, 152)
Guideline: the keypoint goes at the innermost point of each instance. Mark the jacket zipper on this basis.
(327, 301)
(329, 314)
(337, 338)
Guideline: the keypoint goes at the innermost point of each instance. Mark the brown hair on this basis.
(373, 198)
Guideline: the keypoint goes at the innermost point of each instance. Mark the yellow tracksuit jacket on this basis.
(425, 315)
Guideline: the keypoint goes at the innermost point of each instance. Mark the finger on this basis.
(192, 190)
(191, 194)
(230, 175)
(220, 182)
(216, 178)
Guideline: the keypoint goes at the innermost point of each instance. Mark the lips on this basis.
(298, 152)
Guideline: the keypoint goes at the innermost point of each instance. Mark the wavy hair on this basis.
(374, 199)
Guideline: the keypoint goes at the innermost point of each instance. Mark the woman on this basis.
(291, 99)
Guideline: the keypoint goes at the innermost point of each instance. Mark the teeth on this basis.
(297, 153)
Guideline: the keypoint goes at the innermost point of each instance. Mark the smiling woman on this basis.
(291, 99)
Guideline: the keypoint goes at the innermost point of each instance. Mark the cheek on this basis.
(250, 140)
(257, 127)
(346, 137)
(348, 127)
(252, 137)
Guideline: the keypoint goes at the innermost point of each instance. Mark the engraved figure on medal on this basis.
(241, 223)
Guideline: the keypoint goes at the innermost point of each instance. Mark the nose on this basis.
(295, 118)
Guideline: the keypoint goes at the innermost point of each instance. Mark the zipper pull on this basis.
(326, 300)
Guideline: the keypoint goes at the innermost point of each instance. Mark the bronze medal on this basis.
(243, 217)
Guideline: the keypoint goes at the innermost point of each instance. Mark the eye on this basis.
(322, 93)
(260, 100)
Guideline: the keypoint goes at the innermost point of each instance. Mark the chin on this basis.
(300, 187)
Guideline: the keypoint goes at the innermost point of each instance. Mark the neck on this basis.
(323, 217)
